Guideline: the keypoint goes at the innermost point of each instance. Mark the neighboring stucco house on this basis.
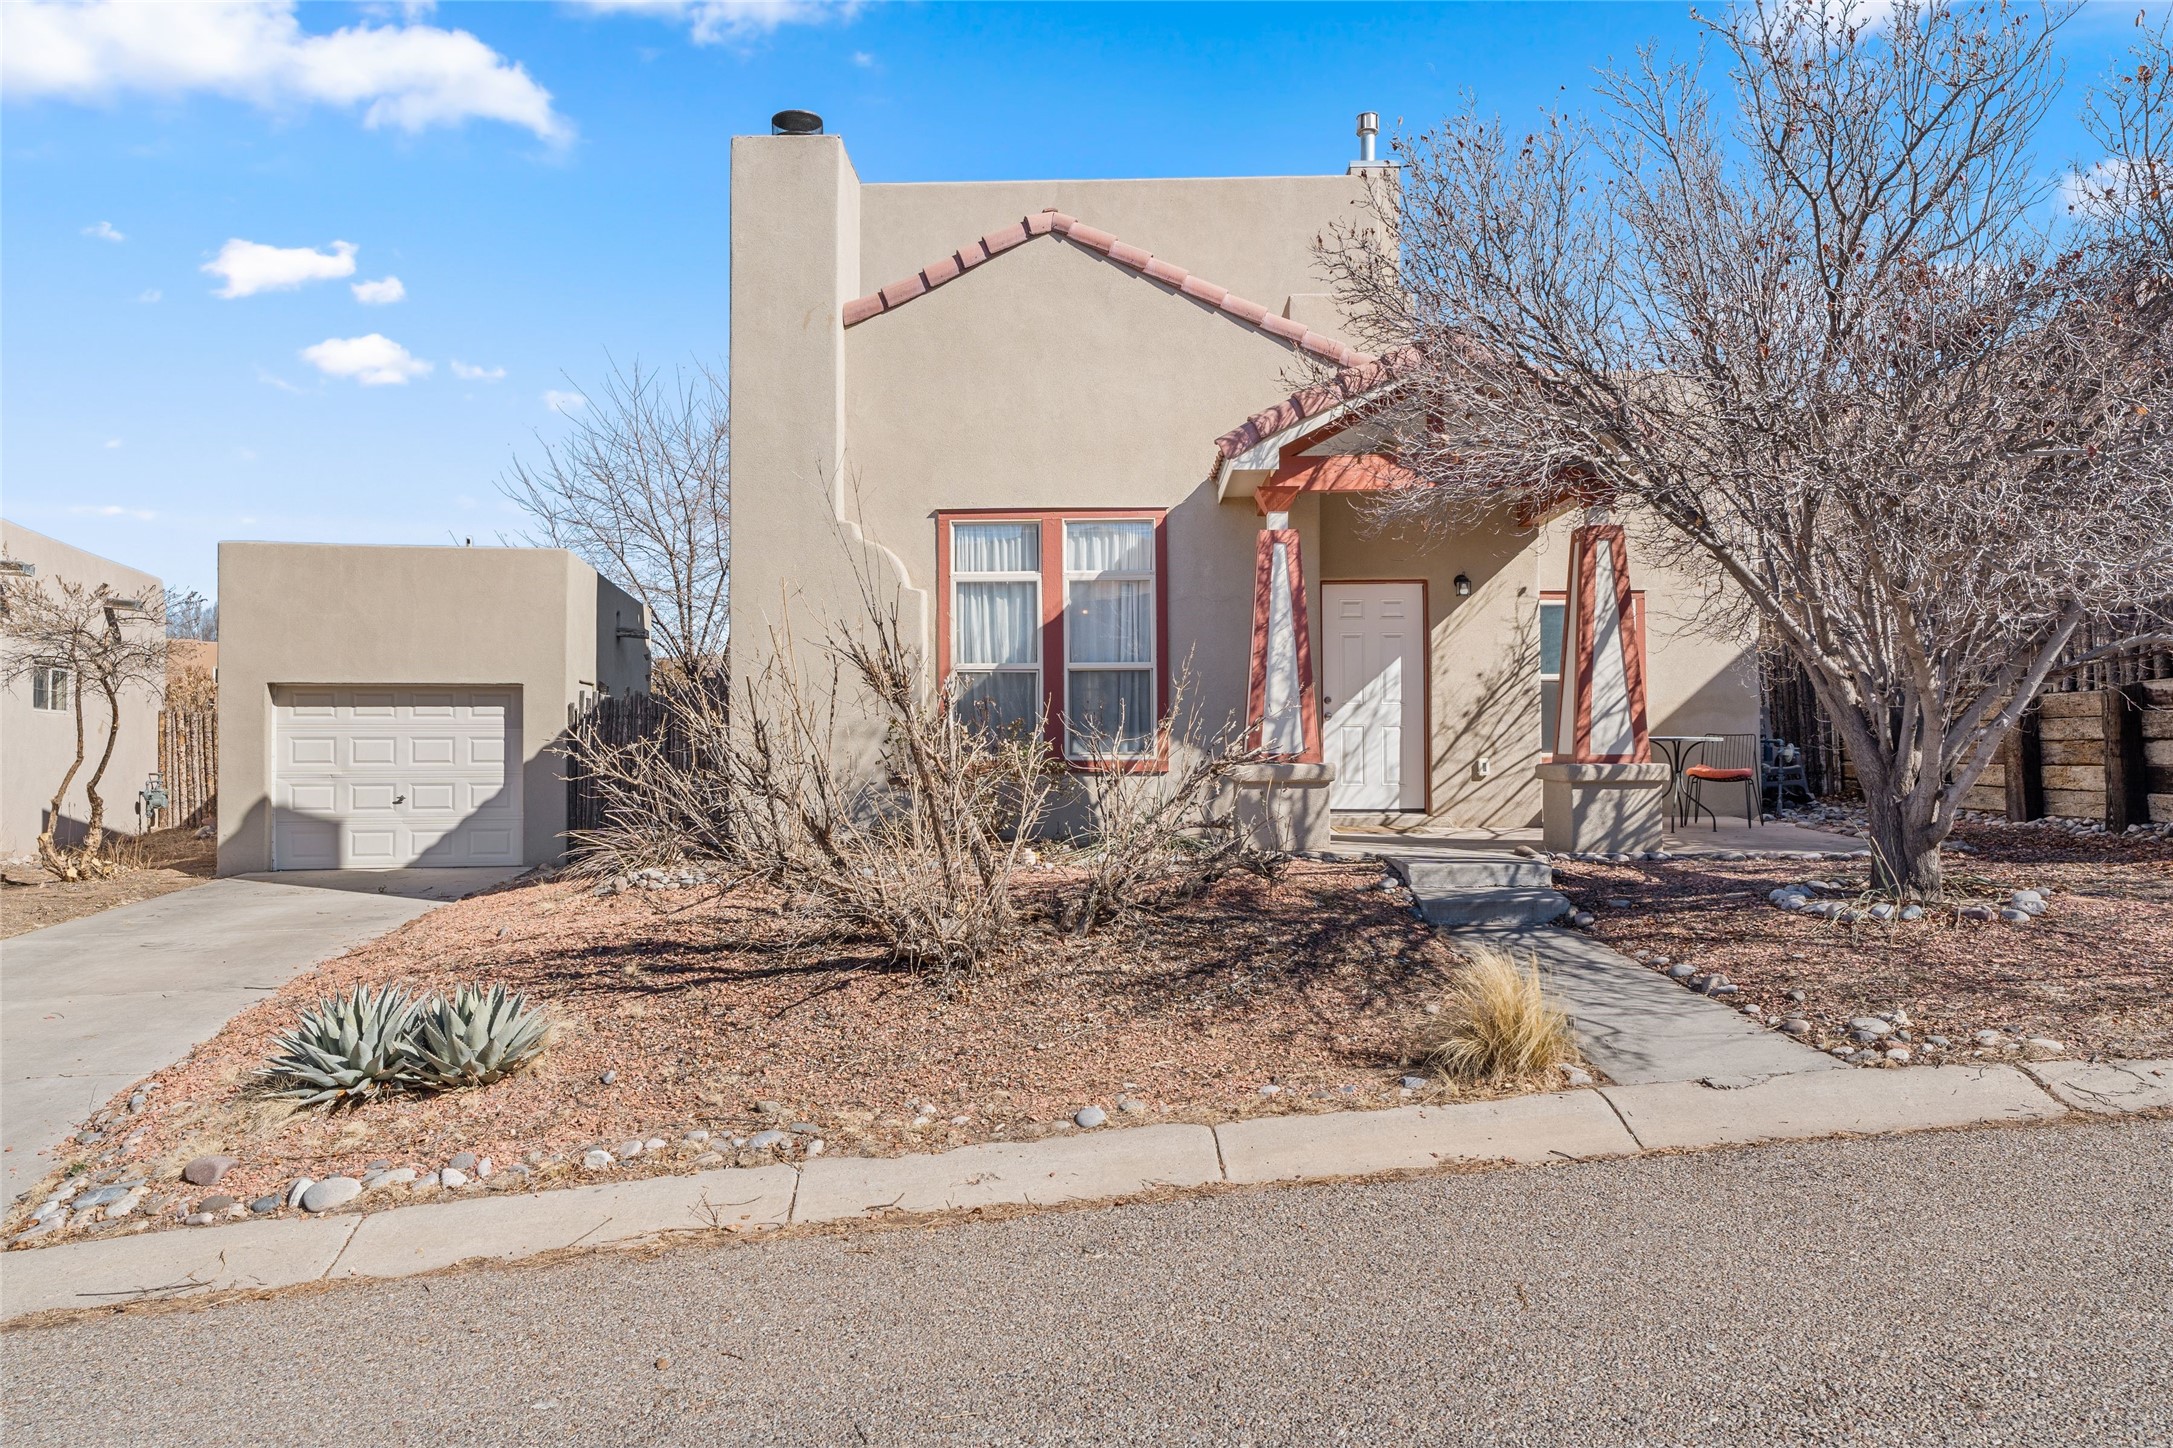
(37, 710)
(1064, 425)
(382, 708)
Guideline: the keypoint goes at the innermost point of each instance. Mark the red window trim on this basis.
(1051, 521)
(1569, 648)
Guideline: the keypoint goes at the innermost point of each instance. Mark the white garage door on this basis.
(380, 778)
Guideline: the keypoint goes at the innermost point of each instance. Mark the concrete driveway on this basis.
(89, 1006)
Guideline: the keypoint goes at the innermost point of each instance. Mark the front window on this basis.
(1109, 629)
(49, 687)
(996, 622)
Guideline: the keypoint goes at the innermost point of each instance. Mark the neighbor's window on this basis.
(1109, 629)
(996, 622)
(49, 687)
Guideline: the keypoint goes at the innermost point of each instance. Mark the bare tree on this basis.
(640, 489)
(1846, 350)
(192, 616)
(99, 642)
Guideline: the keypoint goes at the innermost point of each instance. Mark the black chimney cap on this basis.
(795, 123)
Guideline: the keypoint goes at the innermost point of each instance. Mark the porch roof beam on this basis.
(1333, 473)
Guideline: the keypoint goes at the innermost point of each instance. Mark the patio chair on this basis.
(1699, 775)
(1782, 765)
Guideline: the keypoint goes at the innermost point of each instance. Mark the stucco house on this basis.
(37, 710)
(400, 707)
(1080, 433)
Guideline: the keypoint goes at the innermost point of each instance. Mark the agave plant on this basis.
(477, 1037)
(345, 1049)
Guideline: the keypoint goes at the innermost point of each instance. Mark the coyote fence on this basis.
(188, 765)
(614, 721)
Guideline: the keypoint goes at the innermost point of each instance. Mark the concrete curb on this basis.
(1104, 1166)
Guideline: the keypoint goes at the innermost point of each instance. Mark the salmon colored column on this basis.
(1602, 718)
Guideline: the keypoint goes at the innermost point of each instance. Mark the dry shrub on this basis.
(919, 855)
(1498, 1026)
(1160, 837)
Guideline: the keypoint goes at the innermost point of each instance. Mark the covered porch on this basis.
(1425, 676)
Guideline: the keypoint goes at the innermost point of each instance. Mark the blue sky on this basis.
(549, 185)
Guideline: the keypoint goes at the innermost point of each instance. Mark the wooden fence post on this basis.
(2127, 799)
(2025, 769)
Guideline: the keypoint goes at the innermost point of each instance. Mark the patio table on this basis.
(1679, 748)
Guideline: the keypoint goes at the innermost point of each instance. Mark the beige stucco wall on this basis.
(1484, 677)
(37, 745)
(301, 613)
(1049, 377)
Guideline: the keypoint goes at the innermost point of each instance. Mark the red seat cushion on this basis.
(1715, 774)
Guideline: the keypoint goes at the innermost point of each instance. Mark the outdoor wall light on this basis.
(1463, 585)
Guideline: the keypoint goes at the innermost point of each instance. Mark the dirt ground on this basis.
(161, 863)
(2094, 972)
(734, 1014)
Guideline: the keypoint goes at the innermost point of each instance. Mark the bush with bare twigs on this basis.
(919, 855)
(1498, 1025)
(1158, 837)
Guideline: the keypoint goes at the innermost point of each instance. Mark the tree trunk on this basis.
(94, 834)
(1905, 859)
(48, 847)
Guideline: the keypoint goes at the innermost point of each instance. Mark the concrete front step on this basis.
(1432, 875)
(1494, 909)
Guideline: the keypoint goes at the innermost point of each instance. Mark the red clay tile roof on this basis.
(1056, 223)
(1353, 381)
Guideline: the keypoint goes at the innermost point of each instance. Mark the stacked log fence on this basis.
(613, 721)
(188, 765)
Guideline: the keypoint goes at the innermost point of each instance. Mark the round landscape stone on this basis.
(206, 1170)
(331, 1192)
(596, 1159)
(1090, 1116)
(764, 1140)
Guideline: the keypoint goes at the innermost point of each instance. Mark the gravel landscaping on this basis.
(161, 863)
(2059, 943)
(693, 1028)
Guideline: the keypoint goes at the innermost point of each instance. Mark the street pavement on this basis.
(92, 1005)
(1994, 1286)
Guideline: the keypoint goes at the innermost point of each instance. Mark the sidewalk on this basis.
(1105, 1165)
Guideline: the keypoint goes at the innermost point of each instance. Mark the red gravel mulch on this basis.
(704, 1007)
(2095, 972)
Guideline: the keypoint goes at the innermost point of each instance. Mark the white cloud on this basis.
(111, 510)
(713, 21)
(251, 267)
(564, 402)
(373, 361)
(104, 232)
(272, 379)
(2112, 187)
(864, 60)
(113, 442)
(149, 295)
(469, 372)
(379, 293)
(407, 76)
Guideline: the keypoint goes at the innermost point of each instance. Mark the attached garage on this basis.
(381, 779)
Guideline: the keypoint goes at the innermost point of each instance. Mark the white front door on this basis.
(1375, 700)
(381, 778)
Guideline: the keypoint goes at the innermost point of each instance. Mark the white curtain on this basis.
(1112, 711)
(997, 624)
(1110, 622)
(1113, 547)
(995, 547)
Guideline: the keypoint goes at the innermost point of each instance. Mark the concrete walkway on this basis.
(1104, 1165)
(1638, 1026)
(90, 1006)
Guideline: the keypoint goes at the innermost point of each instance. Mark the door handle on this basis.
(399, 799)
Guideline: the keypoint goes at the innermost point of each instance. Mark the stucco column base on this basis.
(1602, 809)
(1282, 807)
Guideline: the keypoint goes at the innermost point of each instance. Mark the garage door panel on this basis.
(377, 778)
(436, 798)
(371, 796)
